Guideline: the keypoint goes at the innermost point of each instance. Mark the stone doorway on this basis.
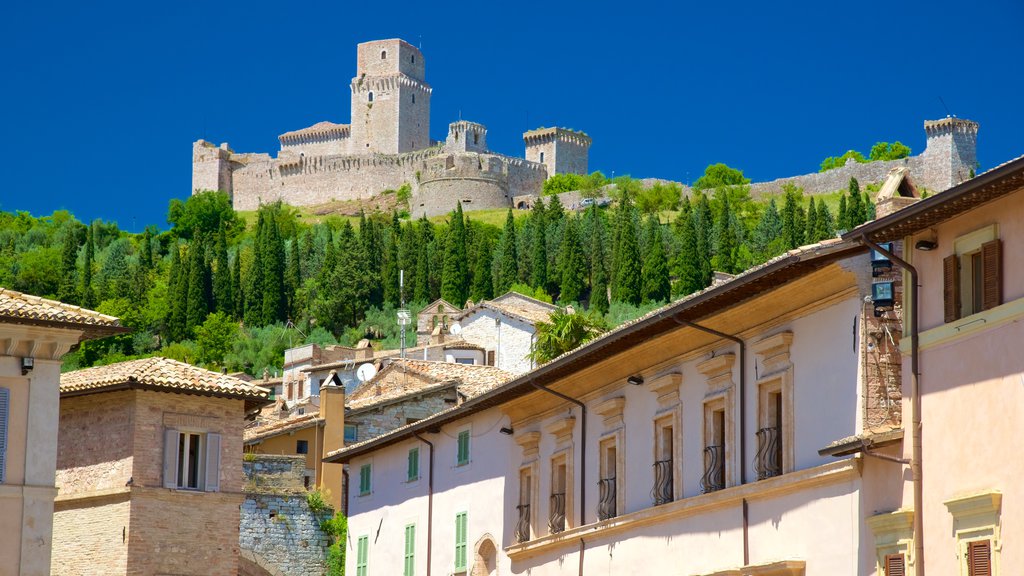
(485, 560)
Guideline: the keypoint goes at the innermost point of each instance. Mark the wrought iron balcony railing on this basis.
(768, 461)
(606, 503)
(714, 469)
(523, 525)
(662, 491)
(556, 523)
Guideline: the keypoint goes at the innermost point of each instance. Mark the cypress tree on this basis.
(824, 227)
(483, 287)
(655, 286)
(799, 226)
(146, 250)
(349, 277)
(198, 306)
(294, 277)
(725, 235)
(253, 311)
(455, 274)
(67, 291)
(539, 252)
(842, 219)
(855, 209)
(237, 294)
(598, 275)
(389, 266)
(309, 264)
(687, 260)
(571, 266)
(626, 286)
(86, 294)
(421, 285)
(274, 301)
(703, 222)
(869, 208)
(812, 222)
(222, 295)
(768, 236)
(508, 260)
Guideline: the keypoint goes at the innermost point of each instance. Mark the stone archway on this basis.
(252, 564)
(485, 559)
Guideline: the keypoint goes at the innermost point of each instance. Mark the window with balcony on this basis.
(607, 501)
(556, 516)
(768, 461)
(714, 450)
(719, 408)
(774, 455)
(523, 526)
(664, 461)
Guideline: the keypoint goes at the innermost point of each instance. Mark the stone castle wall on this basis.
(839, 178)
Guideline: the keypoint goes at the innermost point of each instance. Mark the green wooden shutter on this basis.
(460, 542)
(5, 408)
(414, 464)
(364, 479)
(410, 550)
(463, 457)
(362, 551)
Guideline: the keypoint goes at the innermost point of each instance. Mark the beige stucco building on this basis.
(34, 334)
(149, 469)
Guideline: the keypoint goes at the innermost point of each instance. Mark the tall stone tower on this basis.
(211, 167)
(390, 99)
(951, 153)
(561, 150)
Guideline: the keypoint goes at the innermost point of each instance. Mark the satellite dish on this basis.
(366, 371)
(455, 328)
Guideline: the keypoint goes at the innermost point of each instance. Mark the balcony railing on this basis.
(768, 461)
(662, 491)
(556, 523)
(523, 525)
(606, 503)
(714, 469)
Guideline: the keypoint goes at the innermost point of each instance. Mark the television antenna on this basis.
(366, 372)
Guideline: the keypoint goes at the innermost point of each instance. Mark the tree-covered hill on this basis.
(215, 291)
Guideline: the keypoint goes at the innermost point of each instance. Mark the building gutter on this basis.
(430, 498)
(915, 394)
(742, 416)
(583, 456)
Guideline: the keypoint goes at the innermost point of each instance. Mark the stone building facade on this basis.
(149, 470)
(387, 144)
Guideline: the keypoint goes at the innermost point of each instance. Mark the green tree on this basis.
(198, 303)
(842, 218)
(273, 261)
(833, 162)
(571, 267)
(598, 275)
(507, 264)
(68, 292)
(655, 285)
(87, 296)
(293, 279)
(726, 241)
(793, 217)
(686, 264)
(539, 252)
(703, 223)
(203, 213)
(390, 262)
(718, 176)
(483, 287)
(812, 221)
(222, 296)
(177, 283)
(824, 227)
(566, 331)
(889, 151)
(454, 277)
(768, 236)
(855, 212)
(214, 338)
(626, 287)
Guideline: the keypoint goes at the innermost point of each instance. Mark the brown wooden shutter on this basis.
(951, 287)
(490, 357)
(895, 565)
(992, 274)
(979, 558)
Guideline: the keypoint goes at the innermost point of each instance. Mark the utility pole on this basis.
(403, 313)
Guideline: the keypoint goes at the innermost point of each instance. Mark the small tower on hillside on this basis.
(465, 136)
(951, 154)
(561, 150)
(390, 99)
(211, 167)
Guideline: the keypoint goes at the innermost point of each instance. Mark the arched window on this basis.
(383, 54)
(369, 98)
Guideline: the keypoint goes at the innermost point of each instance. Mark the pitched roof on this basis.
(321, 129)
(273, 428)
(19, 308)
(518, 306)
(161, 374)
(744, 286)
(992, 185)
(471, 380)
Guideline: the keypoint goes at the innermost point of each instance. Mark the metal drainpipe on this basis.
(344, 491)
(915, 395)
(743, 418)
(583, 456)
(430, 498)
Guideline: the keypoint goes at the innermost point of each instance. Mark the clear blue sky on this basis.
(102, 101)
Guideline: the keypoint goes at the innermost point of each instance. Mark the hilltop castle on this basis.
(388, 144)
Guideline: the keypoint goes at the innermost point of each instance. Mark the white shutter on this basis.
(171, 458)
(212, 463)
(5, 403)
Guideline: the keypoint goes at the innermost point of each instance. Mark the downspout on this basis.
(743, 418)
(915, 399)
(430, 498)
(344, 491)
(583, 456)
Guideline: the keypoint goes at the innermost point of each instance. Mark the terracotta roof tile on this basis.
(161, 373)
(273, 428)
(471, 380)
(25, 308)
(518, 306)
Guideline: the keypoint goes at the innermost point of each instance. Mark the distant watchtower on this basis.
(465, 136)
(951, 154)
(561, 150)
(390, 99)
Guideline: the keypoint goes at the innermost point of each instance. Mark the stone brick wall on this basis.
(278, 530)
(93, 446)
(511, 339)
(379, 421)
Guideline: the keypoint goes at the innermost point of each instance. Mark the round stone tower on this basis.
(477, 181)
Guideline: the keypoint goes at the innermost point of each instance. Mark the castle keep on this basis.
(388, 144)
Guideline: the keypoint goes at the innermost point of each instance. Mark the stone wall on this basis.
(511, 338)
(278, 531)
(378, 421)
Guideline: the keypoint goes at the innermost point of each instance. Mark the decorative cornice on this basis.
(666, 388)
(774, 352)
(529, 442)
(718, 370)
(611, 409)
(561, 429)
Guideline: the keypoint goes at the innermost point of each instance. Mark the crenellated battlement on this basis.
(545, 135)
(317, 133)
(949, 125)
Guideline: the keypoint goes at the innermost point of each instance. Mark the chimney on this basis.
(332, 412)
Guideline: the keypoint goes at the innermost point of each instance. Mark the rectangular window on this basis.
(460, 542)
(490, 357)
(895, 565)
(365, 479)
(5, 403)
(413, 469)
(302, 446)
(191, 461)
(714, 448)
(410, 551)
(362, 551)
(972, 275)
(463, 454)
(607, 505)
(979, 558)
(469, 361)
(351, 433)
(664, 461)
(556, 508)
